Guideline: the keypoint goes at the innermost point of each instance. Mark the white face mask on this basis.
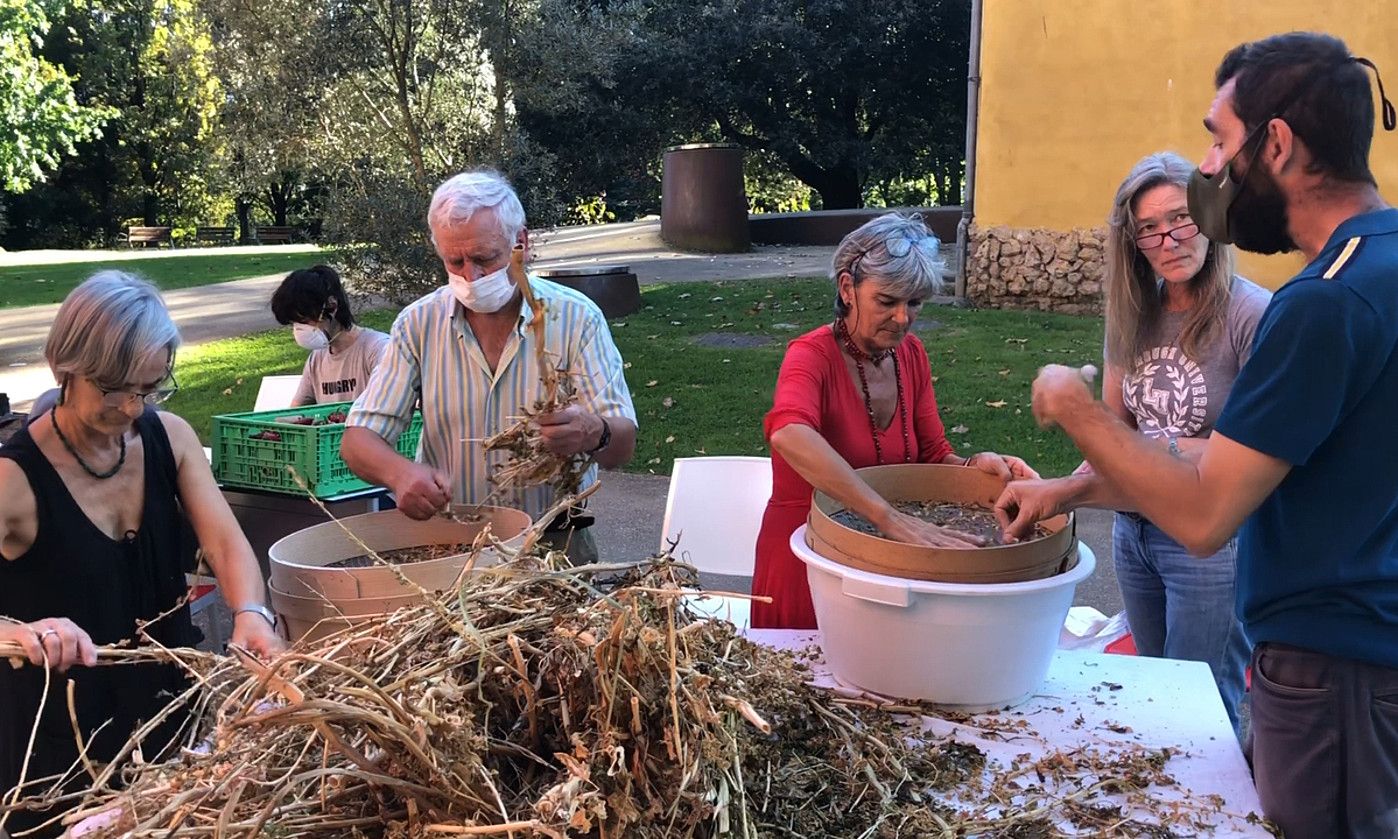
(310, 337)
(488, 294)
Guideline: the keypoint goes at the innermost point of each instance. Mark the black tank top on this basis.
(76, 571)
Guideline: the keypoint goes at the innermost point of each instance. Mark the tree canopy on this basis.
(41, 120)
(341, 116)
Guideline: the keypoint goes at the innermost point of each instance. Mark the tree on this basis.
(844, 93)
(269, 58)
(41, 120)
(172, 113)
(156, 159)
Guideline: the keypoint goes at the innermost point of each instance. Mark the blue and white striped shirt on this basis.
(435, 355)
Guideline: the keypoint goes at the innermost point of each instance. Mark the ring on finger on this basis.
(46, 633)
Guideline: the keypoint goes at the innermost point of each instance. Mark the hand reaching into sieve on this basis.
(901, 527)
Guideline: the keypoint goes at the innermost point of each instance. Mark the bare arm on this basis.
(371, 457)
(54, 640)
(823, 468)
(221, 538)
(575, 430)
(622, 446)
(602, 393)
(1112, 377)
(420, 490)
(1199, 504)
(19, 512)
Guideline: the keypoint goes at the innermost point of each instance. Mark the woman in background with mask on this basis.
(343, 355)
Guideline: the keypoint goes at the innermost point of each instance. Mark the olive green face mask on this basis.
(1251, 211)
(1211, 197)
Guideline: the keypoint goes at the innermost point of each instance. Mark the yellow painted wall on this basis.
(1074, 92)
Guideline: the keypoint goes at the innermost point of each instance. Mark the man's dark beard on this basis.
(1258, 214)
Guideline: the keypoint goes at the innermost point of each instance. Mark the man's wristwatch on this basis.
(259, 609)
(604, 439)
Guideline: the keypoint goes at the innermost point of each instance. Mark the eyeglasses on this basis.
(1183, 233)
(121, 398)
(897, 248)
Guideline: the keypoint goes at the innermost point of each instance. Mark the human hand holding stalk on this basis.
(546, 443)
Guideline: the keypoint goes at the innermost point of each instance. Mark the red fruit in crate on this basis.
(269, 434)
(338, 416)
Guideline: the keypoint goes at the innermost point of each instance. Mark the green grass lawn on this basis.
(693, 400)
(31, 285)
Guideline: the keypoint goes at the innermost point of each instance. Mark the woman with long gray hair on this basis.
(855, 393)
(1180, 325)
(92, 496)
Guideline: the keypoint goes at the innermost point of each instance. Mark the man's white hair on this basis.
(462, 196)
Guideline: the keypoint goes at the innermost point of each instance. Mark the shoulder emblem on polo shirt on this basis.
(1348, 251)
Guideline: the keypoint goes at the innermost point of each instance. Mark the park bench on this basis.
(214, 235)
(276, 235)
(148, 236)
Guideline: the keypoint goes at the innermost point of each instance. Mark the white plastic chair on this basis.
(276, 392)
(714, 507)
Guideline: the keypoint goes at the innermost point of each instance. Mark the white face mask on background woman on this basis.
(488, 294)
(309, 336)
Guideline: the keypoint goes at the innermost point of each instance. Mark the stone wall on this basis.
(1035, 268)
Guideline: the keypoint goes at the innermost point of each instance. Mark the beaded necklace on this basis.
(859, 356)
(101, 476)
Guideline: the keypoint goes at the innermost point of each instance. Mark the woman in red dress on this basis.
(852, 394)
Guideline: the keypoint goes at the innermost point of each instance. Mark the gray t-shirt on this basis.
(341, 376)
(1171, 394)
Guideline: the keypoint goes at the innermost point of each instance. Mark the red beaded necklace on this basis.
(859, 356)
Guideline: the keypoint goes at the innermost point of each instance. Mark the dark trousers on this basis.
(1324, 744)
(577, 542)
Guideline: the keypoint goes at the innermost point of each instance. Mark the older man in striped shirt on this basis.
(465, 351)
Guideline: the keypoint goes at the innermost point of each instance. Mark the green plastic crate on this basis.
(313, 451)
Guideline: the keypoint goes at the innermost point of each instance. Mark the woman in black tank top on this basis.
(92, 500)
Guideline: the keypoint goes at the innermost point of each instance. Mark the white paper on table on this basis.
(1087, 629)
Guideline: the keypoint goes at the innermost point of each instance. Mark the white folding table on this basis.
(1109, 702)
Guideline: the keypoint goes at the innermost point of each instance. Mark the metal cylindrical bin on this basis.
(613, 288)
(703, 204)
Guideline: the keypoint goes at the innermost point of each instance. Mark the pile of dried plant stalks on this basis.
(529, 462)
(543, 700)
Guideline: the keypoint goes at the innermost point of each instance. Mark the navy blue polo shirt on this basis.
(1318, 561)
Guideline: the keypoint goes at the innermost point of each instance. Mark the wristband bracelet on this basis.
(259, 609)
(604, 438)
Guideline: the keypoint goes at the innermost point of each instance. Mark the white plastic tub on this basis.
(967, 646)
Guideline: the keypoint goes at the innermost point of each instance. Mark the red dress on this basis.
(814, 388)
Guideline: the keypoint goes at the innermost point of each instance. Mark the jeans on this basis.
(1180, 606)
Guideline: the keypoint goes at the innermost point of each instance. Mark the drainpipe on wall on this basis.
(973, 98)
